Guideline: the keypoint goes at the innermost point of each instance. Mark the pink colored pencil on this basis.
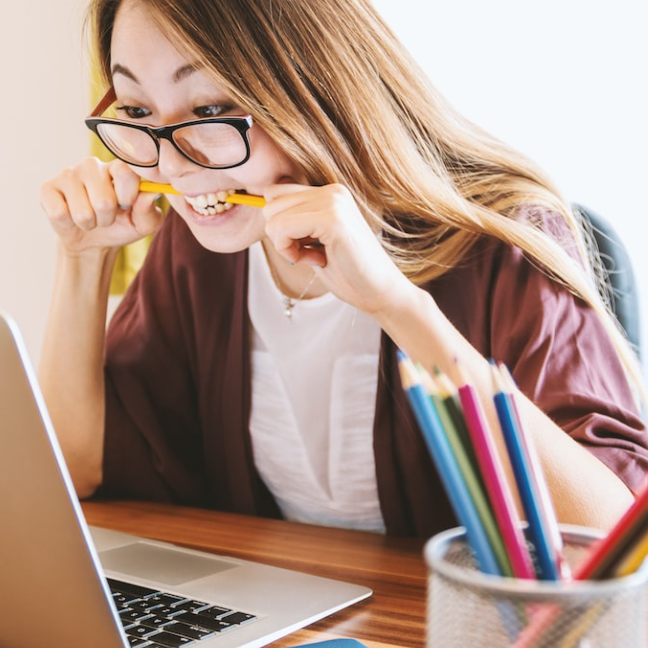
(495, 480)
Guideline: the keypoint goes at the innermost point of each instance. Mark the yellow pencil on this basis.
(634, 557)
(235, 198)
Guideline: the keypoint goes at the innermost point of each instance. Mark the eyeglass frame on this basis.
(241, 124)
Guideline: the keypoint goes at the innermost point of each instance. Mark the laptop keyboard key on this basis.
(185, 630)
(214, 611)
(134, 642)
(141, 631)
(191, 606)
(133, 615)
(140, 591)
(238, 618)
(203, 622)
(168, 640)
(156, 622)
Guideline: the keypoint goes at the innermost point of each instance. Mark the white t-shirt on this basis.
(314, 381)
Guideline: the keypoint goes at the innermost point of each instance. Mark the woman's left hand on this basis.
(323, 227)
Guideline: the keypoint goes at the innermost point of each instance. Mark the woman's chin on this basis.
(228, 231)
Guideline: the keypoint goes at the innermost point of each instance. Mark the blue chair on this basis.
(624, 294)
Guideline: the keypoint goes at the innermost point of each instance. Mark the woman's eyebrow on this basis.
(121, 69)
(181, 73)
(184, 71)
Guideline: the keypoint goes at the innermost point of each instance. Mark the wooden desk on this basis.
(392, 567)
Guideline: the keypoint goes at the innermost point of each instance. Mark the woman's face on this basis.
(156, 85)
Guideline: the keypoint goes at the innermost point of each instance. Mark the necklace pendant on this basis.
(288, 306)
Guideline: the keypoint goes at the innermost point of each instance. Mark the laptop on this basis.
(58, 575)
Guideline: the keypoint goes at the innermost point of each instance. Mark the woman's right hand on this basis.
(99, 205)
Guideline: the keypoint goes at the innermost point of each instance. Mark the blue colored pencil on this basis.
(546, 507)
(547, 560)
(446, 465)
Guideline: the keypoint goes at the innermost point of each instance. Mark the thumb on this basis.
(146, 216)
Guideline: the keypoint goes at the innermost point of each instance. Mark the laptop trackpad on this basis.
(161, 564)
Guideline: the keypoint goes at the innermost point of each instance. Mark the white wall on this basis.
(566, 81)
(42, 105)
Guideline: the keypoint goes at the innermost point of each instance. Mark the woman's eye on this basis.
(204, 112)
(133, 112)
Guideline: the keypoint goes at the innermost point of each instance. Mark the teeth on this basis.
(212, 203)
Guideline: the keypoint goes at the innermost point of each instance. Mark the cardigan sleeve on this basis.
(557, 349)
(564, 360)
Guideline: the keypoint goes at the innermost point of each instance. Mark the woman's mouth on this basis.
(212, 203)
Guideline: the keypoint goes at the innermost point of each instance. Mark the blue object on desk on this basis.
(334, 643)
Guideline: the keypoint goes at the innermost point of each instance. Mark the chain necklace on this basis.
(288, 302)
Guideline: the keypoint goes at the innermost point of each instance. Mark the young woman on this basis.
(252, 366)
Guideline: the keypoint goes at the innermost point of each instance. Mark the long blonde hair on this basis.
(340, 95)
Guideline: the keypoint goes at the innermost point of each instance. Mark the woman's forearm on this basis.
(71, 366)
(584, 490)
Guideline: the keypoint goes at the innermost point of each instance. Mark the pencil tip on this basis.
(496, 375)
(406, 369)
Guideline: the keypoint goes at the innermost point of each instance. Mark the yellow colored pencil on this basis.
(634, 558)
(235, 198)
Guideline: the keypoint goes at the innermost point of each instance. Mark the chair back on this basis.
(624, 294)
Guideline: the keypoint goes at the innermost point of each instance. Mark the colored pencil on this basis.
(606, 556)
(494, 477)
(546, 558)
(545, 503)
(446, 465)
(450, 397)
(451, 426)
(635, 556)
(235, 198)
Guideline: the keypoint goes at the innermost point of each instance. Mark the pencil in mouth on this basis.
(235, 198)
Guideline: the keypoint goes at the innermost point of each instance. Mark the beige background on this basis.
(566, 81)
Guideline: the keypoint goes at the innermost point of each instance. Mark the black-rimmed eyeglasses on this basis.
(213, 142)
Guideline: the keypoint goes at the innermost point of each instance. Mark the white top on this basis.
(314, 381)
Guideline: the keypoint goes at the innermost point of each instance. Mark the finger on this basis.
(55, 207)
(125, 182)
(74, 190)
(313, 254)
(146, 216)
(272, 192)
(111, 189)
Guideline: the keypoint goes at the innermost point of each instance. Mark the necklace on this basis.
(288, 302)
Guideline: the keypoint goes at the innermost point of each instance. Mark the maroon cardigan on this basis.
(178, 381)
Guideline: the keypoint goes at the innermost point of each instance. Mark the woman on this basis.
(251, 367)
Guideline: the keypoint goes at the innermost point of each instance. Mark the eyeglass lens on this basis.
(214, 145)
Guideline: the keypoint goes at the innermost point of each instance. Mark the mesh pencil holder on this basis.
(467, 608)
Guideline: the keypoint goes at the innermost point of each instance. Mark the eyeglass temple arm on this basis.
(104, 102)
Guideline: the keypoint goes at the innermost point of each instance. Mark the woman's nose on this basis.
(171, 162)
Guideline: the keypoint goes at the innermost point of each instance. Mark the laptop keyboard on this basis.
(156, 619)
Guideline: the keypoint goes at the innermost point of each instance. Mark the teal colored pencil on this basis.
(446, 465)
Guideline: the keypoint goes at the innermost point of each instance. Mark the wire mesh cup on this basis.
(469, 609)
